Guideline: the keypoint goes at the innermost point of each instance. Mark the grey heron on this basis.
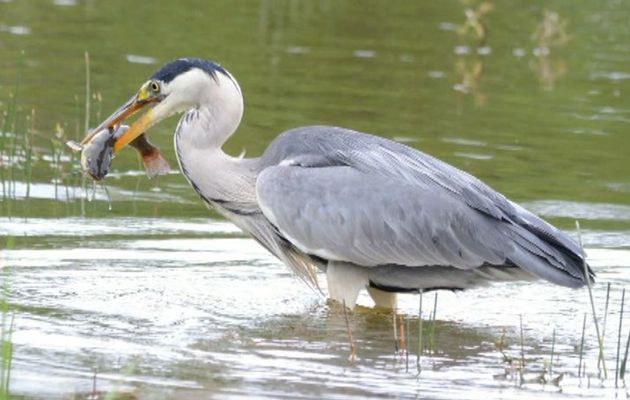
(371, 213)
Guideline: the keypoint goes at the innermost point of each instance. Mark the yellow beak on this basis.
(129, 108)
(136, 129)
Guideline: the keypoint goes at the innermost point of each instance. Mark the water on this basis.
(160, 298)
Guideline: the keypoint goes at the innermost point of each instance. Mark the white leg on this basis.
(345, 281)
(383, 299)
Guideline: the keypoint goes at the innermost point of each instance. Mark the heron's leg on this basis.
(345, 281)
(383, 299)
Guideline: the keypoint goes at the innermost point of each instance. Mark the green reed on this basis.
(3, 137)
(19, 157)
(6, 330)
(522, 367)
(623, 298)
(582, 347)
(553, 345)
(11, 159)
(419, 331)
(14, 123)
(87, 92)
(28, 157)
(432, 324)
(622, 368)
(407, 332)
(605, 318)
(600, 340)
(8, 125)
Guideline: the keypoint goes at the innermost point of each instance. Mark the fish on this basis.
(97, 155)
(154, 163)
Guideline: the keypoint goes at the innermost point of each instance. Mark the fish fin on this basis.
(155, 164)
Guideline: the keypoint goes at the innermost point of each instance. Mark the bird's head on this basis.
(176, 87)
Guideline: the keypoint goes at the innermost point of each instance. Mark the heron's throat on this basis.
(215, 113)
(221, 180)
(217, 177)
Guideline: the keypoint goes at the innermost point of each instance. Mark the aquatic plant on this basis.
(622, 368)
(600, 340)
(522, 365)
(6, 330)
(407, 346)
(553, 345)
(87, 92)
(623, 297)
(432, 324)
(419, 331)
(605, 318)
(582, 346)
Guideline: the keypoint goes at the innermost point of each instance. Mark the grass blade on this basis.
(553, 345)
(407, 347)
(582, 347)
(432, 328)
(587, 278)
(87, 91)
(419, 332)
(520, 317)
(622, 369)
(605, 317)
(623, 297)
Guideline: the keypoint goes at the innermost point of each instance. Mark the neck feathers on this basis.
(202, 131)
(215, 116)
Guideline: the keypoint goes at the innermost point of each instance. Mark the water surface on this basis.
(156, 296)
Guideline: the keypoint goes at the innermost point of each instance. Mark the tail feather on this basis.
(546, 256)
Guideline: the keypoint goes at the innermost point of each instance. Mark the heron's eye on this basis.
(154, 87)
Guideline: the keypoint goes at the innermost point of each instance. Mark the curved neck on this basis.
(215, 117)
(225, 182)
(202, 131)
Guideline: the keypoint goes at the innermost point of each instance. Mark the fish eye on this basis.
(154, 86)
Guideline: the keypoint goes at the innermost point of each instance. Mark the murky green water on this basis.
(161, 299)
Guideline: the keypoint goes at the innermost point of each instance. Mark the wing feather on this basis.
(350, 196)
(342, 214)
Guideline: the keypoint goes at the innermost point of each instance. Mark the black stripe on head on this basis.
(170, 70)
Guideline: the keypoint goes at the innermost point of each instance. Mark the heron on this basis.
(369, 212)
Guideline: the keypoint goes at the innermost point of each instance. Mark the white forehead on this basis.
(196, 79)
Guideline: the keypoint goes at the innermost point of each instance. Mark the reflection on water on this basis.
(470, 80)
(469, 71)
(550, 33)
(158, 299)
(476, 21)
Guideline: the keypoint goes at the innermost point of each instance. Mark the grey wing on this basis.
(339, 213)
(346, 195)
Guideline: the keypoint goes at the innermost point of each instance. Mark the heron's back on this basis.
(330, 158)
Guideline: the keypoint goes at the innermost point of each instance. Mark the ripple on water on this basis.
(128, 226)
(15, 29)
(463, 141)
(221, 314)
(93, 191)
(473, 156)
(577, 210)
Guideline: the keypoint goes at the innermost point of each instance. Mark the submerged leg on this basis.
(345, 281)
(382, 299)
